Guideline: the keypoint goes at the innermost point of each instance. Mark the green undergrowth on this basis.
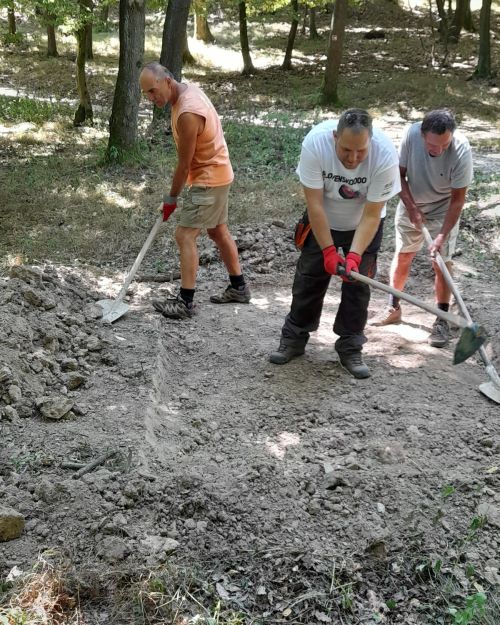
(23, 109)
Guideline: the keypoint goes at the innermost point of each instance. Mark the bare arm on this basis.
(365, 231)
(457, 202)
(367, 227)
(414, 213)
(317, 217)
(189, 126)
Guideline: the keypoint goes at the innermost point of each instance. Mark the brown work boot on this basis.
(440, 334)
(389, 316)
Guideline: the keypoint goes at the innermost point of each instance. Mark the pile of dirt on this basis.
(287, 494)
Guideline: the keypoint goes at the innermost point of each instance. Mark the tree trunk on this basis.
(287, 61)
(89, 53)
(248, 67)
(304, 21)
(468, 21)
(313, 31)
(123, 121)
(334, 54)
(443, 19)
(84, 111)
(104, 17)
(483, 69)
(51, 39)
(174, 36)
(11, 16)
(187, 57)
(202, 28)
(173, 45)
(458, 21)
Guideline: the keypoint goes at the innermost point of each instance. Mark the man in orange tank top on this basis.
(204, 168)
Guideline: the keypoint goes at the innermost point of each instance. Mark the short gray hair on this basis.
(356, 120)
(158, 70)
(438, 122)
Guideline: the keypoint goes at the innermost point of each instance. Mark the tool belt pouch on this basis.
(302, 230)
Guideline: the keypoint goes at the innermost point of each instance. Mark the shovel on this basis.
(490, 389)
(472, 337)
(113, 309)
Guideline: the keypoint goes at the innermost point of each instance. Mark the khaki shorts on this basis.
(204, 207)
(410, 239)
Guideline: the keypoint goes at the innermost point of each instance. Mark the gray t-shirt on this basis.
(346, 191)
(431, 178)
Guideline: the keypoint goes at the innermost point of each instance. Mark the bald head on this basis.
(157, 84)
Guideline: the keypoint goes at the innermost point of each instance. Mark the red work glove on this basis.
(332, 259)
(169, 205)
(352, 261)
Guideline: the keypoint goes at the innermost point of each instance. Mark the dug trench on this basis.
(287, 494)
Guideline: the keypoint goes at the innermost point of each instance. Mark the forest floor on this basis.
(234, 491)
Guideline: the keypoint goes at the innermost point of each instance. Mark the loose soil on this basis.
(293, 494)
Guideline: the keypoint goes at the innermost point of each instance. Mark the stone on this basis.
(11, 523)
(54, 407)
(490, 512)
(14, 393)
(74, 381)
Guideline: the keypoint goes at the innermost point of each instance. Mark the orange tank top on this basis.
(210, 166)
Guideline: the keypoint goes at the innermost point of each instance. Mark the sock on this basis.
(445, 307)
(394, 301)
(237, 282)
(187, 295)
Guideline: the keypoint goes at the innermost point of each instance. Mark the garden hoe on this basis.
(490, 389)
(113, 309)
(472, 337)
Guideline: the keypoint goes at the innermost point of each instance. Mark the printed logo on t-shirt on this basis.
(349, 181)
(347, 193)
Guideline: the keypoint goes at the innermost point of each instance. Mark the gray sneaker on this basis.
(440, 334)
(230, 294)
(353, 363)
(285, 353)
(174, 307)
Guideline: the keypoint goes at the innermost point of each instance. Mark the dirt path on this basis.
(296, 492)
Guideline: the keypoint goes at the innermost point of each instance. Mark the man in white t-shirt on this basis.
(348, 171)
(435, 162)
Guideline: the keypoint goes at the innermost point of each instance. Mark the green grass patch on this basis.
(16, 110)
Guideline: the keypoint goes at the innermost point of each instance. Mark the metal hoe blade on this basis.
(490, 389)
(471, 339)
(114, 309)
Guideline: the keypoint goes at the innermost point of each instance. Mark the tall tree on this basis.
(458, 20)
(483, 68)
(201, 26)
(174, 36)
(173, 46)
(334, 54)
(313, 31)
(123, 122)
(84, 111)
(287, 61)
(248, 67)
(11, 17)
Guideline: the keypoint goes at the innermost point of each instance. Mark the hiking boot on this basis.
(353, 363)
(285, 353)
(240, 295)
(387, 317)
(440, 334)
(174, 307)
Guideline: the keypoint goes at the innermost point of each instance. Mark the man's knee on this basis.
(186, 236)
(402, 260)
(219, 233)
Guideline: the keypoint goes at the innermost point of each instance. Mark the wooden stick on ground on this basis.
(95, 463)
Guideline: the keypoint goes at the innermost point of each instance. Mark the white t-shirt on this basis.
(345, 191)
(431, 178)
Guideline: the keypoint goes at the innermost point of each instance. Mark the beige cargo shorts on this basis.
(411, 239)
(204, 207)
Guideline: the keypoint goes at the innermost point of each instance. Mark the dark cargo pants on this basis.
(309, 290)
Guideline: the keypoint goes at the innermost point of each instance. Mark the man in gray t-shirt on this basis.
(435, 163)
